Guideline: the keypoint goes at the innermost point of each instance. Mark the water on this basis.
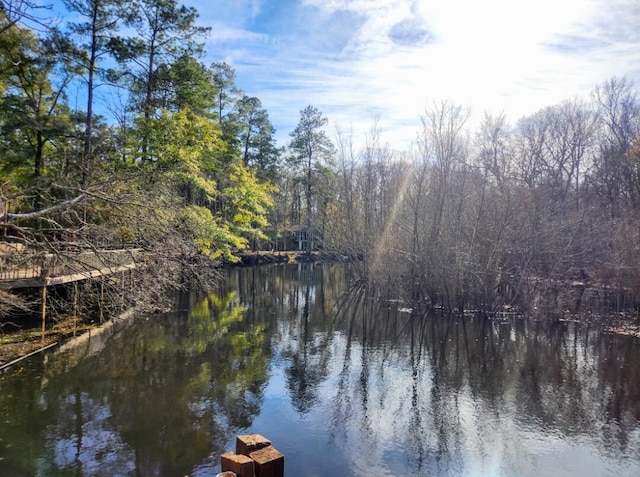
(341, 384)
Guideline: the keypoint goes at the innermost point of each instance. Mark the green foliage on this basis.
(210, 237)
(309, 140)
(256, 138)
(183, 159)
(224, 205)
(248, 200)
(187, 148)
(33, 115)
(186, 83)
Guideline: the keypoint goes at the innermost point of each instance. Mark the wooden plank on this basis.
(22, 283)
(269, 462)
(89, 274)
(242, 465)
(49, 281)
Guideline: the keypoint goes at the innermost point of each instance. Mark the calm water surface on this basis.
(342, 385)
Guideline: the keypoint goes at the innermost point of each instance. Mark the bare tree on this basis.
(618, 110)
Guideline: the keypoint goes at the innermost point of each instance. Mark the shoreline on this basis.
(262, 257)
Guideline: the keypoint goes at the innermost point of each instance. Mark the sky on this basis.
(358, 60)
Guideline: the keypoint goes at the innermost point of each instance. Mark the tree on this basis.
(256, 138)
(187, 83)
(311, 147)
(493, 144)
(444, 144)
(245, 124)
(552, 146)
(227, 93)
(227, 96)
(165, 32)
(33, 102)
(618, 113)
(102, 18)
(223, 205)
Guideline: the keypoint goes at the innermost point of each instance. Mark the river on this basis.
(341, 384)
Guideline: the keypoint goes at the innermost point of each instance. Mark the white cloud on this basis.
(354, 59)
(221, 33)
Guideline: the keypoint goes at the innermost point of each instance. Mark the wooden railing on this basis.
(27, 267)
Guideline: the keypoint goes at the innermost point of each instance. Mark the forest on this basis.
(114, 133)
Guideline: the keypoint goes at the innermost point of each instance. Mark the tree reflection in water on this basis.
(162, 397)
(344, 384)
(476, 396)
(411, 393)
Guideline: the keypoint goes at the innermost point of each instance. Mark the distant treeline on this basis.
(543, 215)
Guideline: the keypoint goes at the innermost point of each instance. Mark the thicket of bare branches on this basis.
(112, 215)
(541, 216)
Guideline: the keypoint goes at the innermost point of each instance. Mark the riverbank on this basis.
(267, 257)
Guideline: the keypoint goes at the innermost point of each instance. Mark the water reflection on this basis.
(165, 394)
(475, 397)
(343, 384)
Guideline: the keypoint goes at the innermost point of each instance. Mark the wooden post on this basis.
(44, 273)
(101, 300)
(75, 307)
(268, 462)
(43, 308)
(246, 444)
(241, 465)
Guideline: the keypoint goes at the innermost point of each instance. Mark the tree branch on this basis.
(43, 212)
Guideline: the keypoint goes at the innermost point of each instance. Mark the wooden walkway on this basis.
(25, 270)
(42, 270)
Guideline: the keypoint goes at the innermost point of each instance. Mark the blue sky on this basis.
(358, 59)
